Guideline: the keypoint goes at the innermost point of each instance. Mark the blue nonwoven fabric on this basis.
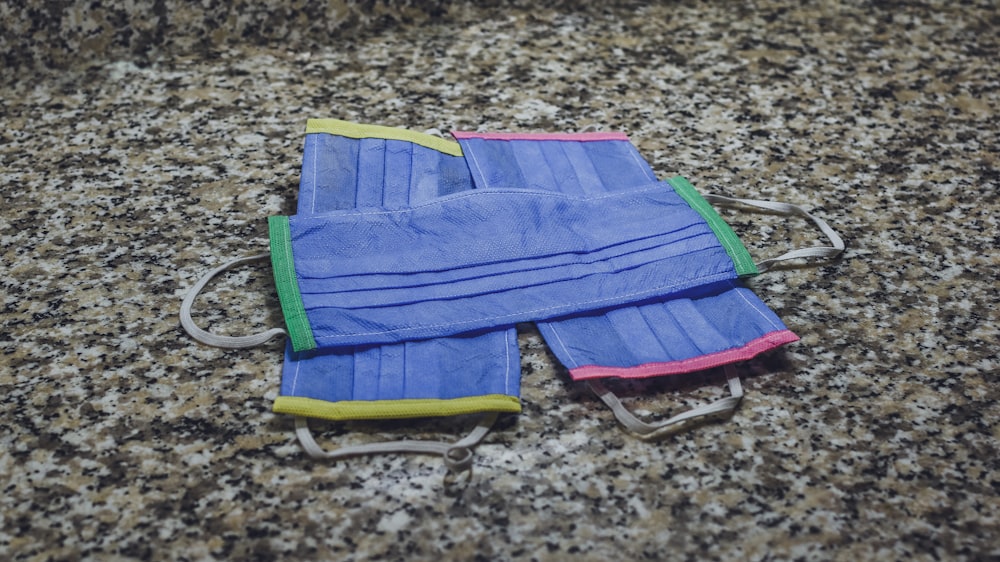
(475, 373)
(487, 259)
(704, 327)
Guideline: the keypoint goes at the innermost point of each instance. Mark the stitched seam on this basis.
(295, 376)
(756, 308)
(506, 351)
(642, 163)
(562, 344)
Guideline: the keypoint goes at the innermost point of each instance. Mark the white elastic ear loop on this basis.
(457, 456)
(788, 209)
(652, 431)
(208, 338)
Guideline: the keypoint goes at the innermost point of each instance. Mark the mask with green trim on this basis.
(487, 259)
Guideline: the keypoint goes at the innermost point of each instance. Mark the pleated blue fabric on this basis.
(459, 375)
(485, 259)
(701, 328)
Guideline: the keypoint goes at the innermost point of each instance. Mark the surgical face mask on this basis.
(713, 325)
(598, 163)
(673, 334)
(348, 166)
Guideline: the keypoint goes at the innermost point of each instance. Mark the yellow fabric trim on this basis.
(359, 131)
(395, 409)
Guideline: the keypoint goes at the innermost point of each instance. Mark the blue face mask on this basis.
(488, 258)
(713, 325)
(346, 166)
(708, 326)
(596, 165)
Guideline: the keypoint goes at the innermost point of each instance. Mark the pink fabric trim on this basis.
(748, 351)
(459, 135)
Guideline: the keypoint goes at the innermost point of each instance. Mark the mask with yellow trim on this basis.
(350, 166)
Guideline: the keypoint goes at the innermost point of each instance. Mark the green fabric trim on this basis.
(744, 264)
(287, 284)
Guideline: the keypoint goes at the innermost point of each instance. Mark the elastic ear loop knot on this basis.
(208, 338)
(652, 431)
(788, 209)
(458, 456)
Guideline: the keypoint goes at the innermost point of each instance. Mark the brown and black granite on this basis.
(144, 143)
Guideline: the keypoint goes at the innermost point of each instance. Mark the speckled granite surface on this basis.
(875, 437)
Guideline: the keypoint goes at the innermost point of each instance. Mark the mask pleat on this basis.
(371, 172)
(329, 180)
(502, 276)
(533, 166)
(492, 165)
(398, 168)
(698, 329)
(619, 165)
(352, 311)
(640, 342)
(566, 177)
(367, 368)
(670, 330)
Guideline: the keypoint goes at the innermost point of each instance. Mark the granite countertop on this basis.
(135, 159)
